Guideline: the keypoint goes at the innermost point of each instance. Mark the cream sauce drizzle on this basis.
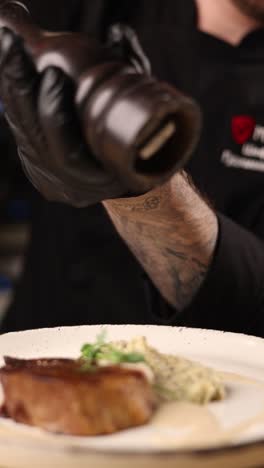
(186, 425)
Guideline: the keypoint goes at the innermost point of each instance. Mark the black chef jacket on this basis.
(78, 270)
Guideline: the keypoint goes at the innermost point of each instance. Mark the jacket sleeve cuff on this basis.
(233, 287)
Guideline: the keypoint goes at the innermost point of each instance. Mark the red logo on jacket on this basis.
(243, 127)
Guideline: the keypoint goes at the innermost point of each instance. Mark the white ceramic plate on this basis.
(231, 431)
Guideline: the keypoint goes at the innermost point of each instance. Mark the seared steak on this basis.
(63, 396)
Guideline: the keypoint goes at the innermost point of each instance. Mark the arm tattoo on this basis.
(185, 289)
(172, 232)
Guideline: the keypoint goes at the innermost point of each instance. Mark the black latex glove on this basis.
(40, 110)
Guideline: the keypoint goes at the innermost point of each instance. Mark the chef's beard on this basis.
(252, 8)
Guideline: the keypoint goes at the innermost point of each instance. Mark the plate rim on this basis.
(179, 328)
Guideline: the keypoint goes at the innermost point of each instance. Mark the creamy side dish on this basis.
(176, 378)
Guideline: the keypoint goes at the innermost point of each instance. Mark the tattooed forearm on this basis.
(172, 232)
(185, 287)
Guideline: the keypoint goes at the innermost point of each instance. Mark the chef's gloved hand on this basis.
(41, 112)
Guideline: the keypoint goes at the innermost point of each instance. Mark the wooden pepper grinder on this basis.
(139, 128)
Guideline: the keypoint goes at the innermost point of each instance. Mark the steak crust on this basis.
(62, 396)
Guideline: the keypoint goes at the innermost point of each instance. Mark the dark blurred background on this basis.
(16, 199)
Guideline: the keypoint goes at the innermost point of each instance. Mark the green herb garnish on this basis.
(92, 354)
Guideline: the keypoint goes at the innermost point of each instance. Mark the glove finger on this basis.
(19, 83)
(66, 143)
(49, 185)
(124, 42)
(38, 178)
